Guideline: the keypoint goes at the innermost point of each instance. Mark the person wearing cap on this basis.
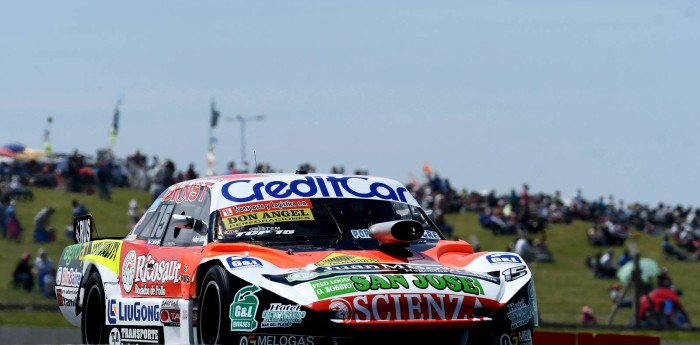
(22, 276)
(43, 267)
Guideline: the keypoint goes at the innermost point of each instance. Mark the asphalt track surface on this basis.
(48, 335)
(39, 335)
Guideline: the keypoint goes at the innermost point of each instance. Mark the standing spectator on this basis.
(14, 227)
(79, 209)
(43, 232)
(104, 178)
(22, 276)
(191, 174)
(43, 267)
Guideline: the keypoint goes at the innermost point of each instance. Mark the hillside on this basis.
(563, 287)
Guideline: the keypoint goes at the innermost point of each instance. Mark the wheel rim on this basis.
(93, 316)
(209, 321)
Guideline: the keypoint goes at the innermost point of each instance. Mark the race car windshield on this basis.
(319, 217)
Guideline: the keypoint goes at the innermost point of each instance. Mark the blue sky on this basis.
(558, 94)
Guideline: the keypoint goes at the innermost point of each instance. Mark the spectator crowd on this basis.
(518, 213)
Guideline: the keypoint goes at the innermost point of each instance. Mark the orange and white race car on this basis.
(289, 259)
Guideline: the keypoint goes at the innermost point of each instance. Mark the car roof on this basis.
(229, 190)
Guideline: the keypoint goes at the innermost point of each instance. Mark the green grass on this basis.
(566, 285)
(563, 287)
(110, 217)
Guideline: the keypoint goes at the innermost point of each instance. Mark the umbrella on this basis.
(14, 147)
(5, 152)
(648, 268)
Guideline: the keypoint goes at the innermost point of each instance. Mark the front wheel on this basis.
(214, 324)
(93, 319)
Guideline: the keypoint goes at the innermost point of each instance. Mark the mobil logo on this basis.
(236, 262)
(504, 258)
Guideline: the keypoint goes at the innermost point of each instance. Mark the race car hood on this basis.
(448, 276)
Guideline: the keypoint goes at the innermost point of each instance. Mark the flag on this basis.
(214, 115)
(115, 124)
(115, 120)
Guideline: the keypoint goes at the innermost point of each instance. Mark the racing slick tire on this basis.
(216, 295)
(94, 330)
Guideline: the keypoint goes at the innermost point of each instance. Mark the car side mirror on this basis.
(396, 232)
(185, 222)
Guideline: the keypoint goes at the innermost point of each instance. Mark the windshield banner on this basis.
(286, 210)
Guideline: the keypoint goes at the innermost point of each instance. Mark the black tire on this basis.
(216, 295)
(94, 329)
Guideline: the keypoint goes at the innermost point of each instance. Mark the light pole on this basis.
(243, 121)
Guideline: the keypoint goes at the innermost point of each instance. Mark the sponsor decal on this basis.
(268, 217)
(74, 252)
(245, 190)
(170, 312)
(68, 277)
(519, 313)
(260, 339)
(140, 272)
(514, 273)
(330, 287)
(238, 262)
(129, 271)
(376, 268)
(276, 205)
(282, 315)
(105, 253)
(504, 258)
(170, 317)
(251, 232)
(66, 297)
(135, 312)
(135, 335)
(114, 337)
(430, 235)
(421, 281)
(360, 233)
(243, 309)
(404, 306)
(342, 309)
(153, 241)
(303, 275)
(106, 249)
(339, 259)
(170, 303)
(83, 229)
(187, 191)
(265, 212)
(364, 233)
(516, 338)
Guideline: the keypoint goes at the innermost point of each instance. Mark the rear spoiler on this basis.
(83, 229)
